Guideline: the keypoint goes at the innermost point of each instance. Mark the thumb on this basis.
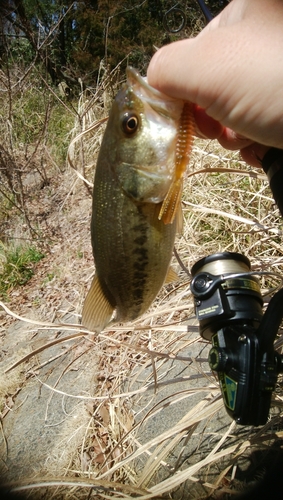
(206, 70)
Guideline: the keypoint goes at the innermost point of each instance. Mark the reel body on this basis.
(228, 305)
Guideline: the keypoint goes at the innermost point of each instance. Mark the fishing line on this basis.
(181, 263)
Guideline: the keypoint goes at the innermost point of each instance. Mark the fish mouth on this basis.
(162, 103)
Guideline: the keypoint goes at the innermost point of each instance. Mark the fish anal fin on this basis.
(171, 276)
(97, 311)
(171, 202)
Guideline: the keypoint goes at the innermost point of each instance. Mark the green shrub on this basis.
(16, 266)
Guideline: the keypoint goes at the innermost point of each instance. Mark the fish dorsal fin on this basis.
(97, 311)
(171, 276)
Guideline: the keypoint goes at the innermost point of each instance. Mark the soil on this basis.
(60, 214)
(49, 399)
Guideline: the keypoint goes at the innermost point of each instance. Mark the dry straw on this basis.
(152, 423)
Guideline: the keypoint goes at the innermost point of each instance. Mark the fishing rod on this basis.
(174, 19)
(229, 307)
(205, 10)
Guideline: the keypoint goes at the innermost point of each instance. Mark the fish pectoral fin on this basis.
(97, 310)
(171, 276)
(171, 202)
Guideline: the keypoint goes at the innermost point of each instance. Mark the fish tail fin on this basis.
(97, 311)
(171, 202)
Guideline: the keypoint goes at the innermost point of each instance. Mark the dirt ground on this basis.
(51, 414)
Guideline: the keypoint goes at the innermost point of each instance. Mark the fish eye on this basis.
(130, 123)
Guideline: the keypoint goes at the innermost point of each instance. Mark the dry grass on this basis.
(147, 418)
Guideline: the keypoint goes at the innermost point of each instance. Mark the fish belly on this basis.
(132, 248)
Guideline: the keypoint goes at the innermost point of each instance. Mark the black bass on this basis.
(136, 201)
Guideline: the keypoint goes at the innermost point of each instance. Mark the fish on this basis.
(136, 208)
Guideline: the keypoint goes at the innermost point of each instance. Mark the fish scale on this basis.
(130, 273)
(132, 247)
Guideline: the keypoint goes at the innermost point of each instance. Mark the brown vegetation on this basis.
(135, 411)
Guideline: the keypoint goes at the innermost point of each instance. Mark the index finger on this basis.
(205, 125)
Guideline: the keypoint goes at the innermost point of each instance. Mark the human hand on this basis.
(209, 128)
(234, 71)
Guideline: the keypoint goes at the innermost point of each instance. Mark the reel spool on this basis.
(225, 291)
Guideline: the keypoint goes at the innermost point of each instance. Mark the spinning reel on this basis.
(228, 305)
